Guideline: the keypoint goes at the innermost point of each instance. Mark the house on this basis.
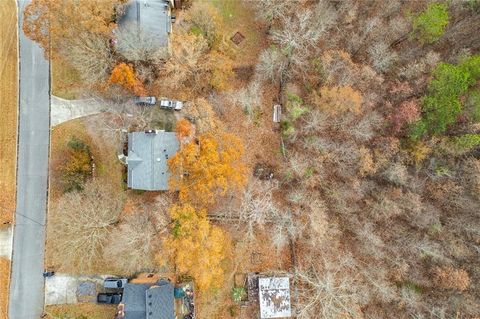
(274, 297)
(150, 21)
(147, 301)
(148, 153)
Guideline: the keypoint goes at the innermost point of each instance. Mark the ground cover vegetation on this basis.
(367, 192)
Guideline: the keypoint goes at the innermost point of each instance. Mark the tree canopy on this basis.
(430, 25)
(197, 247)
(50, 22)
(207, 167)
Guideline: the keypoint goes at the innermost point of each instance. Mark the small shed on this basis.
(274, 297)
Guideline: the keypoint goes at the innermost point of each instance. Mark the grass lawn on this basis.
(66, 82)
(8, 108)
(81, 311)
(239, 17)
(4, 282)
(108, 169)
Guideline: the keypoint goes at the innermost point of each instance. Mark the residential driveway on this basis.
(6, 235)
(64, 110)
(27, 283)
(67, 289)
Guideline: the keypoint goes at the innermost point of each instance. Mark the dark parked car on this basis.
(145, 100)
(109, 298)
(115, 283)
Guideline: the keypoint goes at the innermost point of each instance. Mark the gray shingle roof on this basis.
(143, 301)
(151, 17)
(148, 154)
(160, 301)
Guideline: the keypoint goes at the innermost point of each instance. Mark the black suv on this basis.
(109, 298)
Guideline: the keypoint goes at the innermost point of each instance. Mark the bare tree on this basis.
(273, 10)
(81, 222)
(247, 98)
(330, 292)
(135, 237)
(382, 57)
(188, 64)
(137, 44)
(273, 66)
(90, 54)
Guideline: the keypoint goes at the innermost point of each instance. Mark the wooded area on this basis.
(367, 192)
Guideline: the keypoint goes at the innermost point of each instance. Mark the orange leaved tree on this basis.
(183, 129)
(124, 75)
(196, 247)
(207, 167)
(52, 22)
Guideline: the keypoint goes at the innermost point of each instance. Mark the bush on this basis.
(430, 25)
(466, 143)
(77, 166)
(238, 293)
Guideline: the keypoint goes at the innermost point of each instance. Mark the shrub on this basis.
(77, 166)
(466, 143)
(430, 25)
(238, 293)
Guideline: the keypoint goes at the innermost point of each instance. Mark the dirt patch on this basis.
(86, 310)
(8, 108)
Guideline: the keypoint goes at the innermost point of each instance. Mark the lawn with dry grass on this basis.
(8, 108)
(4, 282)
(107, 168)
(238, 17)
(66, 82)
(77, 311)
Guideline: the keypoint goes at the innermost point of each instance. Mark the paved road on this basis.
(27, 284)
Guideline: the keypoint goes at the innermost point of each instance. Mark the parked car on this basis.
(145, 100)
(47, 274)
(171, 105)
(109, 298)
(114, 283)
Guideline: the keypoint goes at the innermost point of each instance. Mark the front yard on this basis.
(81, 311)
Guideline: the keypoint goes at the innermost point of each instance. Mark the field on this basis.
(90, 311)
(8, 108)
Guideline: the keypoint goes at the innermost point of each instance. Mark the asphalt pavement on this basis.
(27, 283)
